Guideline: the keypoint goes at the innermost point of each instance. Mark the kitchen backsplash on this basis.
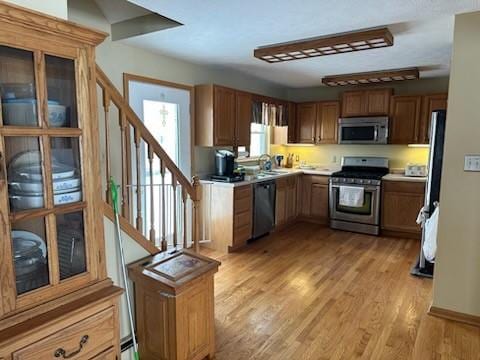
(399, 155)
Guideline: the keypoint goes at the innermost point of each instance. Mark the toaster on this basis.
(416, 170)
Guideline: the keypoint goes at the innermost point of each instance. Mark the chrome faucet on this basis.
(262, 161)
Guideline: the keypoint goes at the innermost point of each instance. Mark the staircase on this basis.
(159, 206)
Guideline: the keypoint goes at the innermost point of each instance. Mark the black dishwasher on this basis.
(263, 207)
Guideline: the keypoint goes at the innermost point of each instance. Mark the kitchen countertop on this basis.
(323, 171)
(402, 177)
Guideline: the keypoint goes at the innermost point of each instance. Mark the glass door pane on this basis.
(66, 171)
(17, 87)
(71, 244)
(24, 173)
(61, 91)
(30, 254)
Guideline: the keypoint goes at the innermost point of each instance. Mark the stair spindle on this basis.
(125, 200)
(164, 238)
(196, 209)
(184, 220)
(152, 205)
(106, 112)
(139, 221)
(174, 190)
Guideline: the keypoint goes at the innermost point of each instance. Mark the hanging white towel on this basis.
(431, 231)
(351, 196)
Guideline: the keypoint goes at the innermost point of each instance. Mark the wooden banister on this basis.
(104, 82)
(151, 220)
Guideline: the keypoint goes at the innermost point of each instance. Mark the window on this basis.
(259, 140)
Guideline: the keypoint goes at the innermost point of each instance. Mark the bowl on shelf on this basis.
(34, 172)
(23, 112)
(25, 201)
(17, 90)
(37, 186)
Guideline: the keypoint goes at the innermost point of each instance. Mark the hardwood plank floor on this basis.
(309, 292)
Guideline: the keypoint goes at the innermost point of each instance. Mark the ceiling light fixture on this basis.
(374, 77)
(328, 45)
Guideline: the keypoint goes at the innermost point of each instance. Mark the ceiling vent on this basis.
(374, 77)
(129, 20)
(328, 45)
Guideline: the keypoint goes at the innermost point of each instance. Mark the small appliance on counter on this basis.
(416, 170)
(278, 160)
(225, 167)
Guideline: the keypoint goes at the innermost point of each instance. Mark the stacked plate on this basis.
(26, 186)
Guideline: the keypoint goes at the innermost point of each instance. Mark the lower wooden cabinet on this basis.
(87, 328)
(286, 201)
(314, 202)
(401, 202)
(229, 212)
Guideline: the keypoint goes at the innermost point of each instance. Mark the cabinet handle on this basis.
(62, 353)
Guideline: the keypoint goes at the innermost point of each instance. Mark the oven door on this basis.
(367, 214)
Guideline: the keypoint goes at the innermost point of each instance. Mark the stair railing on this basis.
(155, 213)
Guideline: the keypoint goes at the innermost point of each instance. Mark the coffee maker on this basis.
(225, 167)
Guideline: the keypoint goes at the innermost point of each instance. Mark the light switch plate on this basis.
(472, 163)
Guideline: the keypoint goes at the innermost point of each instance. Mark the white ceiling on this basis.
(224, 33)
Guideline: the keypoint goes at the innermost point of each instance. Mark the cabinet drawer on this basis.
(243, 192)
(89, 337)
(242, 219)
(404, 187)
(243, 205)
(242, 234)
(318, 179)
(106, 355)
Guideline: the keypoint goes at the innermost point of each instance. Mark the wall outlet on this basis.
(472, 163)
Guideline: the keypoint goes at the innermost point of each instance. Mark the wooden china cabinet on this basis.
(55, 298)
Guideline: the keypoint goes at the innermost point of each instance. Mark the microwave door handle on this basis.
(376, 133)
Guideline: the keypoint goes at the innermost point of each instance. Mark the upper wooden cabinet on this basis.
(317, 123)
(292, 123)
(430, 103)
(374, 102)
(223, 116)
(405, 119)
(410, 117)
(306, 119)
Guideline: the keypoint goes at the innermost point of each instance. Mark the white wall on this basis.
(56, 8)
(457, 272)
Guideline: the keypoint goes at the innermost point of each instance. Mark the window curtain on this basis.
(269, 114)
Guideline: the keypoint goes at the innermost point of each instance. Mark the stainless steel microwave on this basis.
(371, 130)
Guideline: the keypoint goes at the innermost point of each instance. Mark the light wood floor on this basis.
(309, 292)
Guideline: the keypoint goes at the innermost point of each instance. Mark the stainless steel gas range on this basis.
(355, 194)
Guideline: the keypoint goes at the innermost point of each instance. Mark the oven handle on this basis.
(366, 187)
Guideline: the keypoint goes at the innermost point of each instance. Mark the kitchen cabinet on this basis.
(314, 204)
(306, 119)
(292, 123)
(286, 200)
(317, 123)
(52, 249)
(401, 202)
(229, 211)
(430, 103)
(375, 102)
(223, 116)
(405, 119)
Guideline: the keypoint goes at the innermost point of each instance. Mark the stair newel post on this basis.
(174, 190)
(125, 201)
(184, 220)
(106, 111)
(139, 221)
(164, 230)
(196, 196)
(152, 205)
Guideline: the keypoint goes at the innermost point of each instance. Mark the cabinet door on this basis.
(401, 203)
(291, 200)
(404, 120)
(430, 103)
(243, 118)
(281, 202)
(319, 202)
(327, 122)
(224, 116)
(306, 119)
(292, 124)
(378, 101)
(354, 104)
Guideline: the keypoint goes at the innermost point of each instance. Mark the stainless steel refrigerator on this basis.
(432, 189)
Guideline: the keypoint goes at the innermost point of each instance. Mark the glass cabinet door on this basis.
(44, 177)
(17, 87)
